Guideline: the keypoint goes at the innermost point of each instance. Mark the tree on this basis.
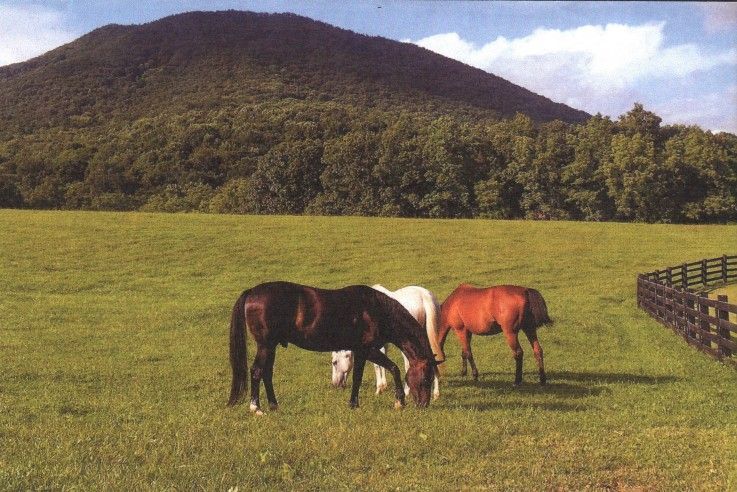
(582, 180)
(398, 172)
(447, 171)
(287, 178)
(234, 197)
(348, 186)
(639, 121)
(637, 182)
(704, 188)
(539, 167)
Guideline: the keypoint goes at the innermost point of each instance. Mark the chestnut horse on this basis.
(356, 318)
(487, 311)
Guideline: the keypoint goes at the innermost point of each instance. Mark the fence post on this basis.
(684, 276)
(678, 315)
(724, 268)
(703, 271)
(669, 277)
(682, 312)
(691, 319)
(703, 322)
(723, 332)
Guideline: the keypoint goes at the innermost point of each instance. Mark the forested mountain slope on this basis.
(201, 60)
(279, 114)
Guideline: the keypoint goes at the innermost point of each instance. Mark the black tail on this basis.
(537, 309)
(238, 352)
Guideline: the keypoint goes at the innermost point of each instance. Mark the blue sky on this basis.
(679, 59)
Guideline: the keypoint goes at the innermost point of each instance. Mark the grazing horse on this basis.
(423, 306)
(356, 318)
(487, 311)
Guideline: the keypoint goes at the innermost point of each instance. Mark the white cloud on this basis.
(716, 111)
(719, 16)
(29, 31)
(595, 68)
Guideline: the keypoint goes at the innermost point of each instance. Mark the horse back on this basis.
(309, 317)
(485, 310)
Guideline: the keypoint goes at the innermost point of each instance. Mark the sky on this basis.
(679, 59)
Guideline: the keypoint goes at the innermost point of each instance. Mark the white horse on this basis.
(423, 306)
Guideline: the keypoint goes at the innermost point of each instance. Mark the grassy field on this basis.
(115, 374)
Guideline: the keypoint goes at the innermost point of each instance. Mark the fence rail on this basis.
(669, 297)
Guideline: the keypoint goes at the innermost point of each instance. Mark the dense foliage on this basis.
(201, 112)
(299, 158)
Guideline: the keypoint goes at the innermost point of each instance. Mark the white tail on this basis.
(432, 322)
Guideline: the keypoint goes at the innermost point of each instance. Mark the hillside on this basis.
(232, 58)
(239, 112)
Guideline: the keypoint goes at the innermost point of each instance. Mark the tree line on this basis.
(296, 157)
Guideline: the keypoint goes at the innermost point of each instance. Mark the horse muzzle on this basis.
(339, 380)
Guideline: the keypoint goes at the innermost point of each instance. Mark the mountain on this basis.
(225, 59)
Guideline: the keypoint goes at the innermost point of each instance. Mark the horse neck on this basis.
(404, 335)
(411, 346)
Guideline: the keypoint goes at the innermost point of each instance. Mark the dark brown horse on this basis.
(487, 311)
(356, 318)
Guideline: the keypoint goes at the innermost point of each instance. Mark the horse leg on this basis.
(380, 379)
(268, 384)
(257, 372)
(442, 335)
(359, 362)
(474, 371)
(532, 337)
(380, 376)
(378, 357)
(517, 353)
(464, 336)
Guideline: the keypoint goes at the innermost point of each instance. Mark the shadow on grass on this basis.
(504, 385)
(611, 378)
(560, 379)
(570, 389)
(486, 406)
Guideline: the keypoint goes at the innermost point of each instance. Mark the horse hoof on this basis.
(254, 408)
(398, 405)
(435, 396)
(353, 405)
(380, 389)
(274, 406)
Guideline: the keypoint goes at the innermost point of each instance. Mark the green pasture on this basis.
(115, 373)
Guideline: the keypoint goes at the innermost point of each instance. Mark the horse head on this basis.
(342, 365)
(419, 379)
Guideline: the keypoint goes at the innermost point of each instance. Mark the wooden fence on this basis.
(676, 297)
